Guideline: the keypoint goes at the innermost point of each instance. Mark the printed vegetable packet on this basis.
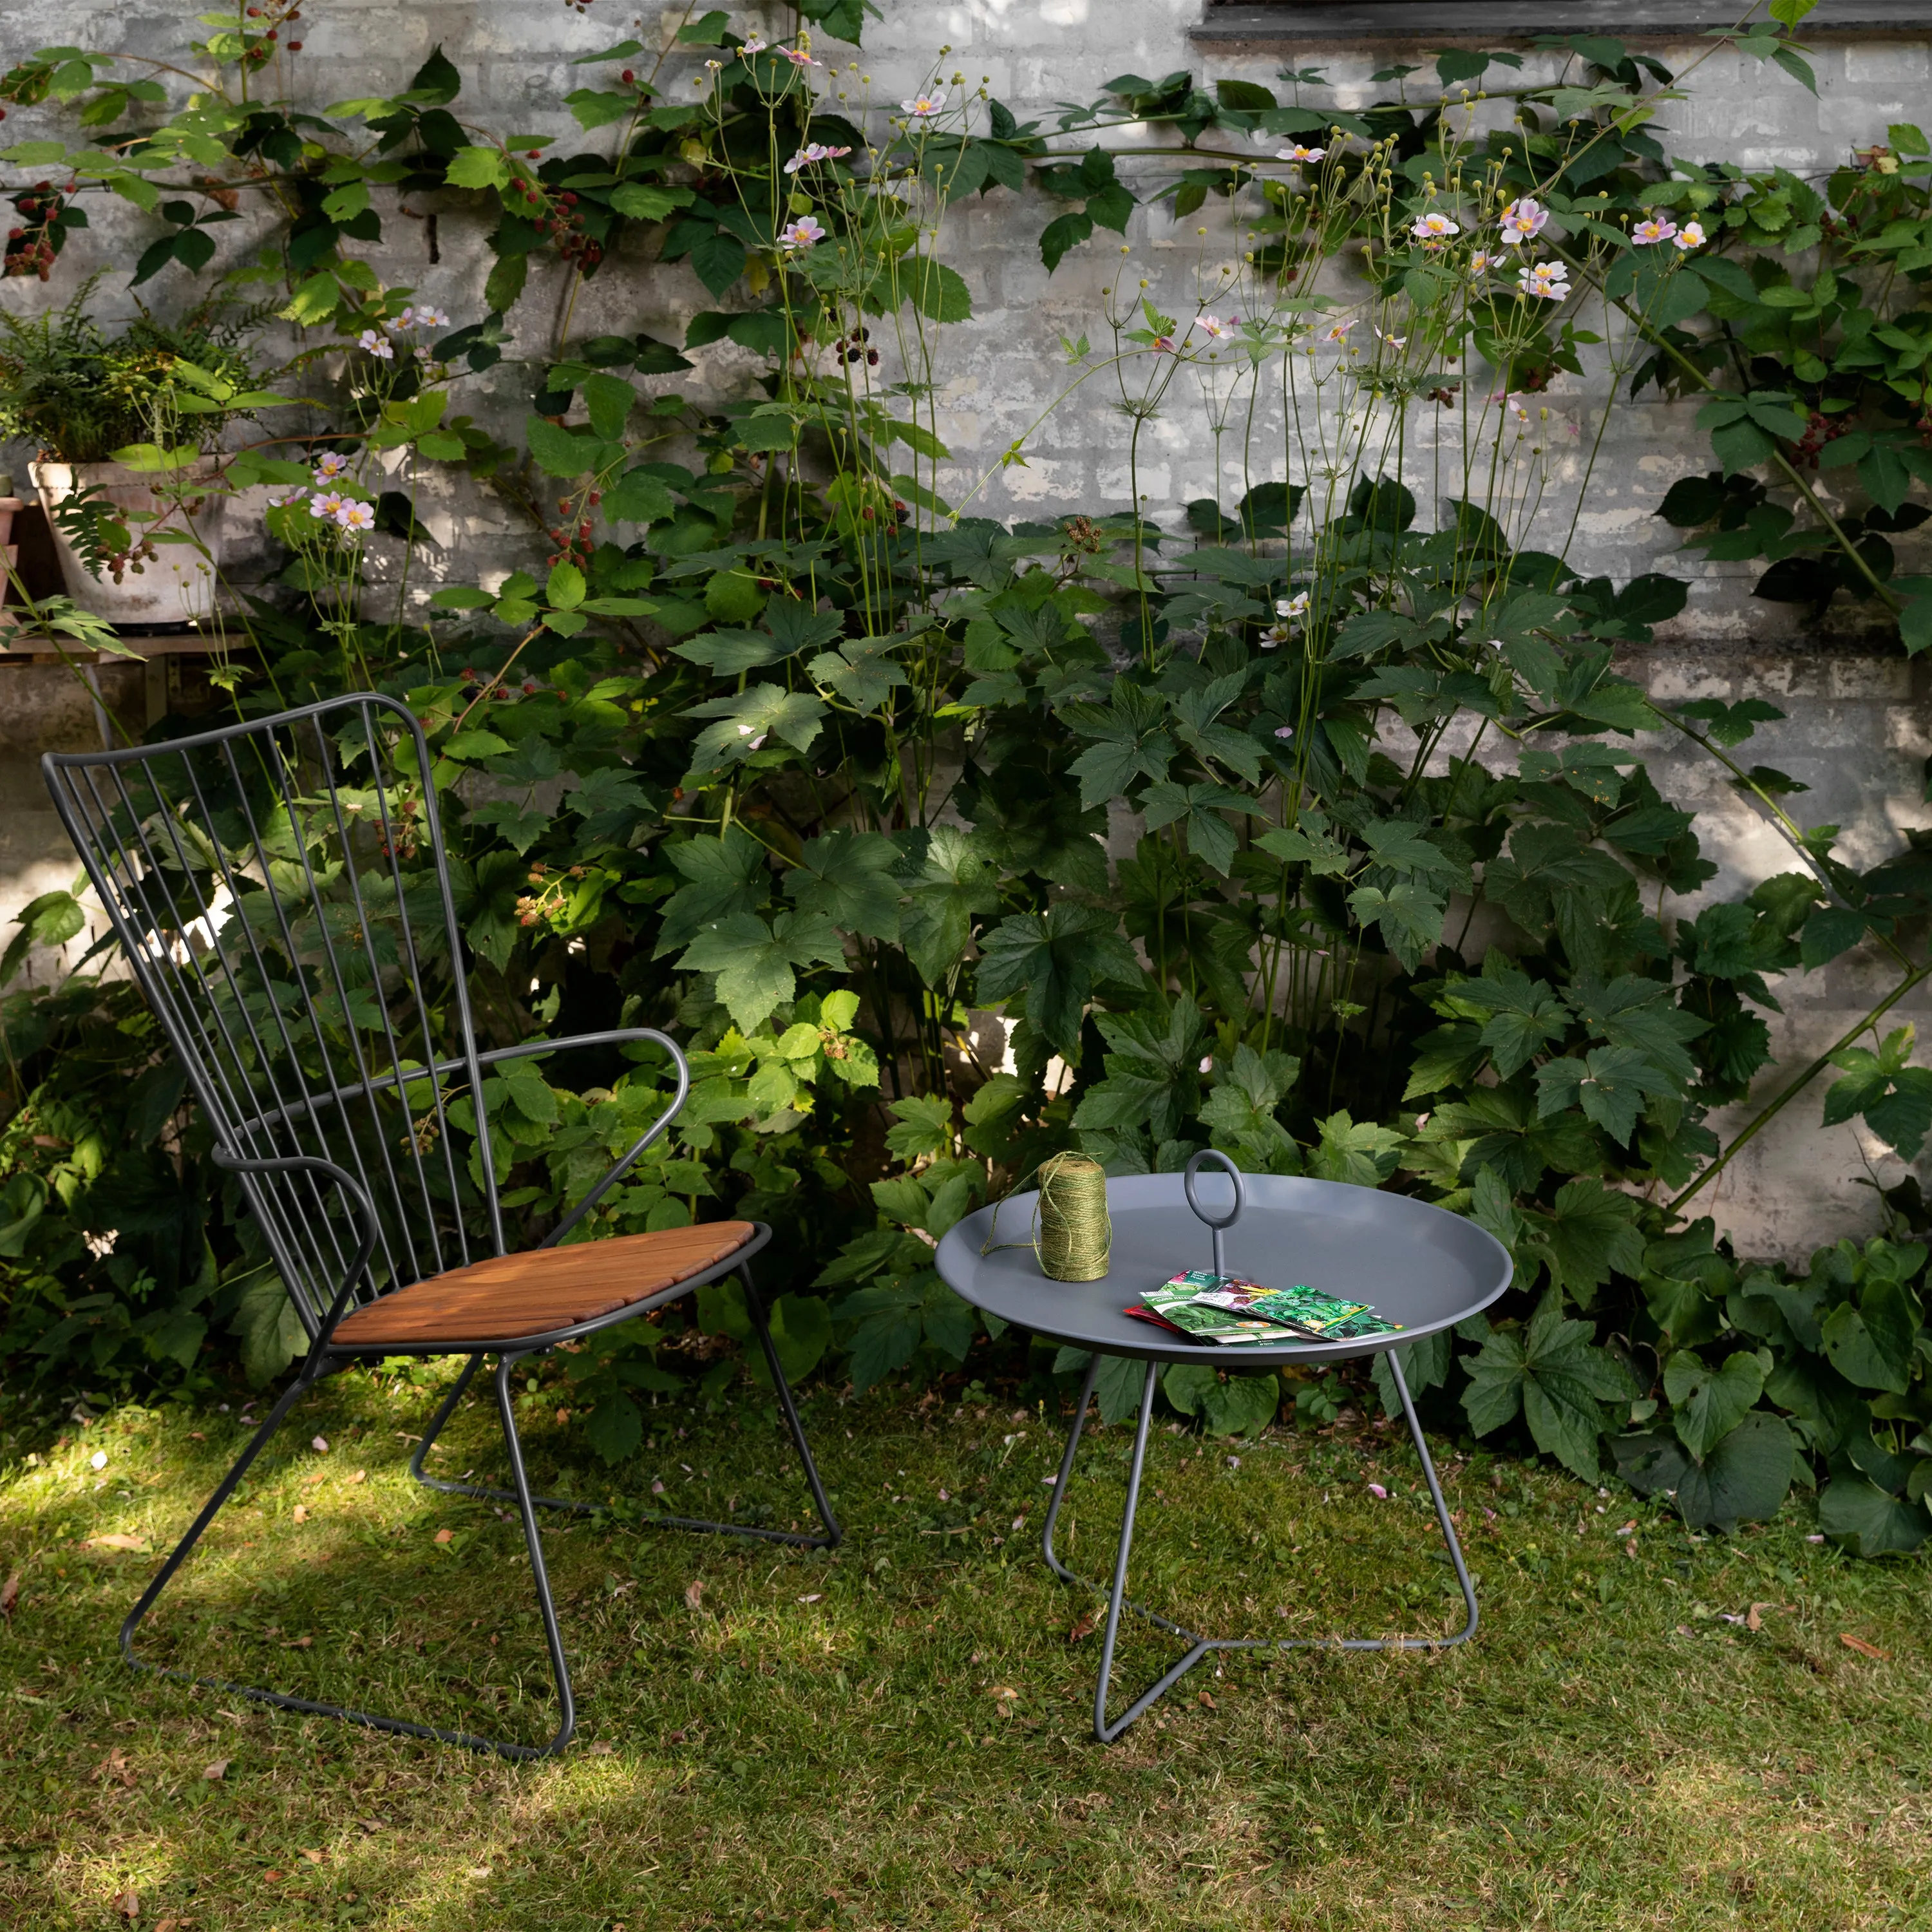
(1235, 1312)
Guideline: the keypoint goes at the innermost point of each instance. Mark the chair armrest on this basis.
(617, 1172)
(359, 1199)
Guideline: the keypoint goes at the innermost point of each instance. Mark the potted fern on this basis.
(136, 544)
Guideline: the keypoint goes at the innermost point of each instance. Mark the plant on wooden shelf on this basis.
(97, 407)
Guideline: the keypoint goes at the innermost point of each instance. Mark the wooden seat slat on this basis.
(511, 1295)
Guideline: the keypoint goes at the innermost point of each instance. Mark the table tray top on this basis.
(1413, 1263)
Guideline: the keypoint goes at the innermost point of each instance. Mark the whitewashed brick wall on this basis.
(1861, 722)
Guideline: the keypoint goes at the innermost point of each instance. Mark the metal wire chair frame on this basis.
(169, 946)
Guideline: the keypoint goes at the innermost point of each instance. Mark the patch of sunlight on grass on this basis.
(896, 1734)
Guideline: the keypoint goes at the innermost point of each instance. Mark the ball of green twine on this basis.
(1076, 1235)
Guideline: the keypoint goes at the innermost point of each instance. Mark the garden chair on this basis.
(281, 892)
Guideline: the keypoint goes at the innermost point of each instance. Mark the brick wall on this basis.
(1860, 718)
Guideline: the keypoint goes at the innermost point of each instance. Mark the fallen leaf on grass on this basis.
(10, 1595)
(1752, 1619)
(1084, 1628)
(1205, 1698)
(693, 1595)
(360, 1476)
(601, 1750)
(298, 1643)
(444, 1535)
(1002, 1691)
(128, 1904)
(314, 1857)
(118, 1540)
(1864, 1649)
(218, 1770)
(817, 1597)
(301, 1512)
(272, 1876)
(115, 1764)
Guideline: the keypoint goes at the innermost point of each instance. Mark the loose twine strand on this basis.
(1072, 1236)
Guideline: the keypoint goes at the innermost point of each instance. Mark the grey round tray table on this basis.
(1419, 1265)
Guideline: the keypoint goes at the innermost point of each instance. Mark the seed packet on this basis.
(1303, 1308)
(1235, 1312)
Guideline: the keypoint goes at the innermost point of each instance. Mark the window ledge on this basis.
(1525, 20)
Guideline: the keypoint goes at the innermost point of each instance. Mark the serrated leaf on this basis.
(477, 167)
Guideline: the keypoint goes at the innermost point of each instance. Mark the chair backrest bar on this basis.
(281, 892)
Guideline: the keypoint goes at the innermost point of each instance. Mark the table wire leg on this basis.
(1200, 1646)
(1116, 1599)
(1053, 1562)
(1435, 1496)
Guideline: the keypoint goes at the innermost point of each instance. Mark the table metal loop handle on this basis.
(1240, 1197)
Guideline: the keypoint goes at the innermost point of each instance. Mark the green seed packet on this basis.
(1232, 1312)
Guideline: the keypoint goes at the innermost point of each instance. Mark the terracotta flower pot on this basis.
(177, 586)
(10, 506)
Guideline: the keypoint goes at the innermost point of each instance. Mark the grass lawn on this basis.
(897, 1735)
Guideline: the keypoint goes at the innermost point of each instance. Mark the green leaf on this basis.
(719, 260)
(1744, 1478)
(1855, 1513)
(727, 653)
(565, 587)
(610, 401)
(863, 673)
(1198, 809)
(477, 167)
(1358, 1152)
(1525, 1015)
(1131, 741)
(956, 885)
(1310, 843)
(641, 202)
(936, 291)
(637, 497)
(1610, 1084)
(591, 110)
(615, 1428)
(850, 878)
(270, 1332)
(1864, 1350)
(1409, 913)
(801, 1328)
(746, 720)
(51, 919)
(755, 962)
(1425, 1366)
(1055, 959)
(1708, 1403)
(1894, 1098)
(1240, 1114)
(1152, 1071)
(562, 452)
(1589, 1233)
(1553, 1375)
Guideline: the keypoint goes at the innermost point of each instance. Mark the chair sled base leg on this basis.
(369, 1720)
